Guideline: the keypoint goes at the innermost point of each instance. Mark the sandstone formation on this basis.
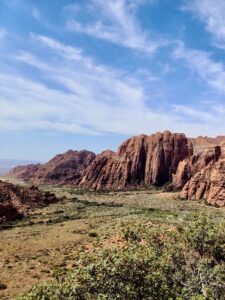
(190, 163)
(141, 160)
(208, 184)
(15, 200)
(203, 143)
(202, 176)
(193, 164)
(97, 173)
(62, 169)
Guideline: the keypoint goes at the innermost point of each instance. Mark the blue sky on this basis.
(88, 74)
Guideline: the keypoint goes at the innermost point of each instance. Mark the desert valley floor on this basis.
(45, 243)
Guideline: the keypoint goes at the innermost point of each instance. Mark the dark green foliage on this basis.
(3, 286)
(156, 262)
(93, 234)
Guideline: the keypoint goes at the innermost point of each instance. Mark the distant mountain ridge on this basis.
(61, 169)
(140, 161)
(7, 164)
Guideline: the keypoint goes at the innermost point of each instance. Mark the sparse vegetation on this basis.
(68, 236)
(153, 262)
(3, 286)
(93, 234)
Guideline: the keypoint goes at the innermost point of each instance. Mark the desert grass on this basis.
(48, 240)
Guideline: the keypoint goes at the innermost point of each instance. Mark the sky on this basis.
(87, 74)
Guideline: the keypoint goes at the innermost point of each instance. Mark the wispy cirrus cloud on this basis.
(70, 91)
(203, 65)
(211, 13)
(88, 69)
(115, 21)
(36, 13)
(194, 113)
(13, 4)
(220, 109)
(90, 98)
(41, 18)
(2, 33)
(68, 52)
(84, 97)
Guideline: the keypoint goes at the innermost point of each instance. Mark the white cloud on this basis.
(31, 105)
(41, 18)
(219, 109)
(36, 13)
(92, 96)
(194, 113)
(71, 9)
(14, 4)
(65, 51)
(201, 62)
(211, 13)
(2, 33)
(115, 22)
(72, 93)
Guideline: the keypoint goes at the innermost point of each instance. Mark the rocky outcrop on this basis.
(193, 164)
(16, 200)
(205, 143)
(62, 169)
(97, 174)
(208, 184)
(202, 176)
(141, 160)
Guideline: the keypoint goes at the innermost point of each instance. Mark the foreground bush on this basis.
(152, 262)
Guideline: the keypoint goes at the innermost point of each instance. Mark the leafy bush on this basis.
(3, 286)
(152, 262)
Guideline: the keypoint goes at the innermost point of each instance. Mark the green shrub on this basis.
(3, 286)
(58, 272)
(156, 262)
(93, 234)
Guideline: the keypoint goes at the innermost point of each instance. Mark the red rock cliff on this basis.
(202, 176)
(208, 184)
(141, 160)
